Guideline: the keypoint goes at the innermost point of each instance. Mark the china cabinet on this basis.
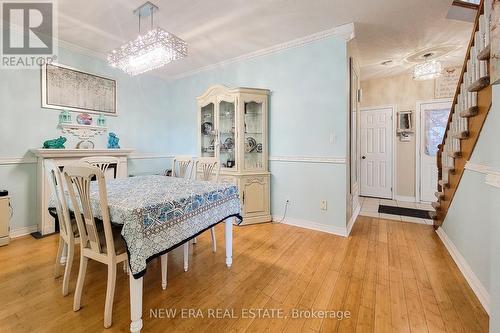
(232, 127)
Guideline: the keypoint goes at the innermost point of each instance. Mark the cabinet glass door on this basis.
(227, 135)
(254, 136)
(208, 133)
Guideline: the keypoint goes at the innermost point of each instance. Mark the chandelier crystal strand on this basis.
(427, 70)
(152, 50)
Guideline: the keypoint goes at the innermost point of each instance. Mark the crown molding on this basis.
(81, 50)
(345, 31)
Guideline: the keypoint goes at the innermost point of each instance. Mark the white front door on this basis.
(376, 153)
(433, 120)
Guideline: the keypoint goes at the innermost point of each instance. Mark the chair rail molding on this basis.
(17, 160)
(309, 159)
(492, 176)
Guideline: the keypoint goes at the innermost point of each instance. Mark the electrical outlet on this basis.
(323, 205)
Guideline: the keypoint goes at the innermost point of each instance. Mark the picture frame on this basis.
(405, 121)
(71, 89)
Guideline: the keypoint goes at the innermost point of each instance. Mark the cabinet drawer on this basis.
(227, 179)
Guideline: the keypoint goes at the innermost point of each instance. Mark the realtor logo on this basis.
(28, 34)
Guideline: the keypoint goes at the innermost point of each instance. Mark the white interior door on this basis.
(433, 120)
(376, 153)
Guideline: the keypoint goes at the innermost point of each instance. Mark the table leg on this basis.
(135, 303)
(229, 241)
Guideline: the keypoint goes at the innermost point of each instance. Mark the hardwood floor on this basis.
(390, 276)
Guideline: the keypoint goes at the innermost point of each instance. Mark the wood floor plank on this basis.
(390, 276)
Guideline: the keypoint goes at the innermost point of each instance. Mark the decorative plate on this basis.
(207, 128)
(229, 143)
(250, 144)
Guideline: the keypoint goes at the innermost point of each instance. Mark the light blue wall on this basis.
(308, 103)
(472, 221)
(493, 131)
(142, 107)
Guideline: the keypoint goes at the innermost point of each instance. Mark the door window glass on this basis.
(435, 126)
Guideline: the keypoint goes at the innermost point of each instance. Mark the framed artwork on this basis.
(66, 88)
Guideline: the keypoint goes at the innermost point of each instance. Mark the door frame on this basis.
(393, 144)
(418, 139)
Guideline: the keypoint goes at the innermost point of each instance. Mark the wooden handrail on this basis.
(476, 121)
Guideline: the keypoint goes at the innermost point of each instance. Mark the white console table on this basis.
(61, 158)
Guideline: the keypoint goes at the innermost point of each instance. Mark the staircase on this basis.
(469, 110)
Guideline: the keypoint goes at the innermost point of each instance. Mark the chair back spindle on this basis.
(207, 169)
(80, 175)
(57, 188)
(102, 162)
(181, 165)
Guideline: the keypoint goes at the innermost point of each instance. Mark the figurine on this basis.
(113, 141)
(101, 121)
(55, 143)
(84, 119)
(64, 117)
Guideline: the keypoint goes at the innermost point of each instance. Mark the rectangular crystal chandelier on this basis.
(152, 50)
(427, 71)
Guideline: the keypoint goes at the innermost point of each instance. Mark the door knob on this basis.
(363, 157)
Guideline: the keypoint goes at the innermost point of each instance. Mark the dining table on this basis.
(160, 213)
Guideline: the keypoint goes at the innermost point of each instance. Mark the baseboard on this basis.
(405, 198)
(353, 219)
(23, 231)
(339, 231)
(473, 281)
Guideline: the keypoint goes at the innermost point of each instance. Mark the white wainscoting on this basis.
(474, 282)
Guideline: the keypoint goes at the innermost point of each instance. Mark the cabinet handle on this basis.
(243, 197)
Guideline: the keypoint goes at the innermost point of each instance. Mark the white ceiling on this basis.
(218, 30)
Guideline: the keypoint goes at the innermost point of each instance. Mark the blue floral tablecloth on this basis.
(159, 213)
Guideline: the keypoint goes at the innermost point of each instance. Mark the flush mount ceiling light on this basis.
(427, 70)
(154, 49)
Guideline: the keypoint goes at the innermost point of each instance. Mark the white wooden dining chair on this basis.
(102, 162)
(206, 169)
(101, 243)
(68, 231)
(182, 167)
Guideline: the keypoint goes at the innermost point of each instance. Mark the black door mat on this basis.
(412, 212)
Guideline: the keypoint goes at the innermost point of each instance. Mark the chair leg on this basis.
(214, 241)
(125, 267)
(57, 267)
(79, 282)
(110, 294)
(164, 263)
(67, 270)
(186, 256)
